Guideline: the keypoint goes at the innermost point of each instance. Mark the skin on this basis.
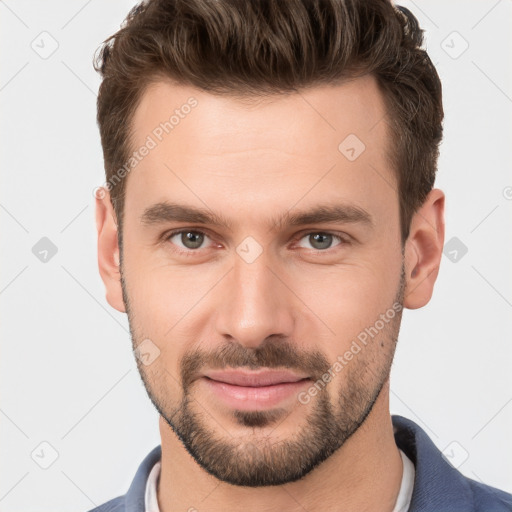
(251, 162)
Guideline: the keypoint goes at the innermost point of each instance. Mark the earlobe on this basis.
(424, 250)
(108, 251)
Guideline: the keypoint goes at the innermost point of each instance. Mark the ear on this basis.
(108, 249)
(423, 250)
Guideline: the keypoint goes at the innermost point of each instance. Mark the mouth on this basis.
(250, 390)
(260, 378)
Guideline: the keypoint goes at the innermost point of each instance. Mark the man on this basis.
(268, 212)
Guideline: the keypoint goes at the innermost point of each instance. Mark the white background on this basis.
(68, 375)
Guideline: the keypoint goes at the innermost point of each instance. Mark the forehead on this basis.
(303, 119)
(324, 142)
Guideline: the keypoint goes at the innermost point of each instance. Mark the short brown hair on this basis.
(264, 47)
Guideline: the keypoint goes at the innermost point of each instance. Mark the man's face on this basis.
(262, 293)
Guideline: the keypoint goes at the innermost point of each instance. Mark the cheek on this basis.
(164, 304)
(156, 292)
(351, 298)
(155, 325)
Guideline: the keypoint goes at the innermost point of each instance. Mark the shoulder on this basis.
(134, 499)
(114, 505)
(438, 485)
(489, 499)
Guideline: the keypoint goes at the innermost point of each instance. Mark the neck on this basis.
(364, 475)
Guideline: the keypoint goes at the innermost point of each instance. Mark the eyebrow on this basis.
(165, 211)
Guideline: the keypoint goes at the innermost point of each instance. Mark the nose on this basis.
(256, 304)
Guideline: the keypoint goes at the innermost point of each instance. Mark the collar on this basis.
(437, 484)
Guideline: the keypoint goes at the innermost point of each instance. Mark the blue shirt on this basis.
(438, 486)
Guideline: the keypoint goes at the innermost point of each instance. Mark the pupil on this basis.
(323, 239)
(191, 240)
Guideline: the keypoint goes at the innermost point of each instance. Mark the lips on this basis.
(254, 379)
(254, 390)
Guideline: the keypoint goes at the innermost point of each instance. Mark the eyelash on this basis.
(191, 252)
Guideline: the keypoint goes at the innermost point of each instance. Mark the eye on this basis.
(322, 241)
(187, 239)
